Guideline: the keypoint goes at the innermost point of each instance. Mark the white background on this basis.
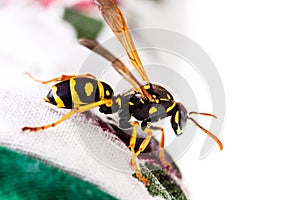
(255, 46)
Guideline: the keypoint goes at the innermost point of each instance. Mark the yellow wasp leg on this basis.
(61, 78)
(132, 142)
(34, 129)
(145, 142)
(87, 107)
(76, 110)
(162, 145)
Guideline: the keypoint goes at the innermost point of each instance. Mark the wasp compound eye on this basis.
(178, 119)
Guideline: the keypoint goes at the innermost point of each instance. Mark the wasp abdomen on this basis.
(78, 91)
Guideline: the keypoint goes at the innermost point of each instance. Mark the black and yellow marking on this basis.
(171, 107)
(88, 88)
(78, 91)
(59, 95)
(147, 87)
(168, 96)
(85, 91)
(100, 89)
(119, 101)
(177, 117)
(58, 100)
(176, 124)
(152, 110)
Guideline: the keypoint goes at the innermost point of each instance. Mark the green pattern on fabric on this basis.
(22, 177)
(85, 27)
(161, 183)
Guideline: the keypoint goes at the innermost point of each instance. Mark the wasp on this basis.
(145, 103)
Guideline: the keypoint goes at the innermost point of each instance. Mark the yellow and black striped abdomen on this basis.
(78, 91)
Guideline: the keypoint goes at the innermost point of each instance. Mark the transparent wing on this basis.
(116, 21)
(117, 64)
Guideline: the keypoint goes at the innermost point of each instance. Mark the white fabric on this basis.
(64, 146)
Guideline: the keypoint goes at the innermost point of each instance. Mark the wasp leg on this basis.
(61, 78)
(145, 142)
(34, 129)
(107, 102)
(79, 109)
(132, 142)
(161, 146)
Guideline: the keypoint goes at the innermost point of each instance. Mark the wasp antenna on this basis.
(31, 77)
(207, 114)
(208, 133)
(37, 80)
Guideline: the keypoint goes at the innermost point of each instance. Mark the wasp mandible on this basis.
(145, 103)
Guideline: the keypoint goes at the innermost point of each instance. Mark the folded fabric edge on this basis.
(23, 177)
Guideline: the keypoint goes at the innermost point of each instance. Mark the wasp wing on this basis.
(116, 21)
(117, 64)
